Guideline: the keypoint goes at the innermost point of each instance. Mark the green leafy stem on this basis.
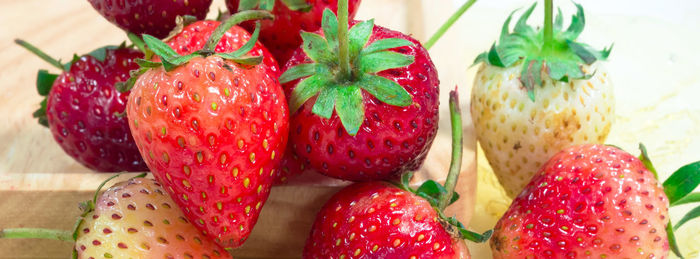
(679, 190)
(441, 196)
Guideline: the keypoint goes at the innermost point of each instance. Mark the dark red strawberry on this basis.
(281, 36)
(374, 121)
(154, 17)
(381, 220)
(212, 128)
(594, 201)
(84, 111)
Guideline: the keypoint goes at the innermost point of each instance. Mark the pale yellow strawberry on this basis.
(137, 219)
(519, 135)
(537, 92)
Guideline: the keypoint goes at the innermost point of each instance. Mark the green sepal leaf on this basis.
(582, 52)
(316, 47)
(101, 53)
(140, 45)
(126, 86)
(358, 36)
(644, 157)
(181, 59)
(44, 82)
(493, 57)
(385, 44)
(40, 114)
(297, 5)
(298, 71)
(672, 243)
(147, 63)
(350, 108)
(564, 70)
(306, 89)
(245, 60)
(159, 48)
(168, 66)
(67, 65)
(325, 102)
(682, 182)
(692, 214)
(384, 60)
(690, 198)
(267, 5)
(330, 29)
(531, 75)
(248, 46)
(558, 21)
(578, 22)
(431, 191)
(521, 28)
(248, 5)
(475, 237)
(386, 90)
(481, 58)
(406, 182)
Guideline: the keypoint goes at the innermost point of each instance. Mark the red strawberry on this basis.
(194, 36)
(589, 201)
(375, 121)
(82, 106)
(212, 131)
(132, 219)
(381, 220)
(281, 36)
(154, 17)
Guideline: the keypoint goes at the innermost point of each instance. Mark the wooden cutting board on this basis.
(40, 186)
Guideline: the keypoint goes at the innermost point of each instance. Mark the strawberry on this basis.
(281, 36)
(593, 201)
(82, 106)
(381, 220)
(194, 36)
(132, 219)
(535, 95)
(154, 17)
(212, 128)
(368, 113)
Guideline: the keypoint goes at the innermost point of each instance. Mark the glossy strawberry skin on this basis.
(81, 111)
(212, 132)
(392, 139)
(379, 220)
(137, 219)
(588, 201)
(194, 36)
(153, 17)
(281, 36)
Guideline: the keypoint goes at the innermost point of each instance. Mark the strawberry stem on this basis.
(41, 233)
(232, 21)
(31, 48)
(343, 46)
(446, 26)
(456, 163)
(548, 27)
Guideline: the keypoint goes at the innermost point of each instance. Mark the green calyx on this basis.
(45, 79)
(170, 59)
(551, 49)
(294, 5)
(441, 196)
(679, 190)
(343, 66)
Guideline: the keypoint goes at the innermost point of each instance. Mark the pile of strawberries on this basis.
(219, 111)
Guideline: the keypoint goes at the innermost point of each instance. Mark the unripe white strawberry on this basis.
(538, 92)
(518, 135)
